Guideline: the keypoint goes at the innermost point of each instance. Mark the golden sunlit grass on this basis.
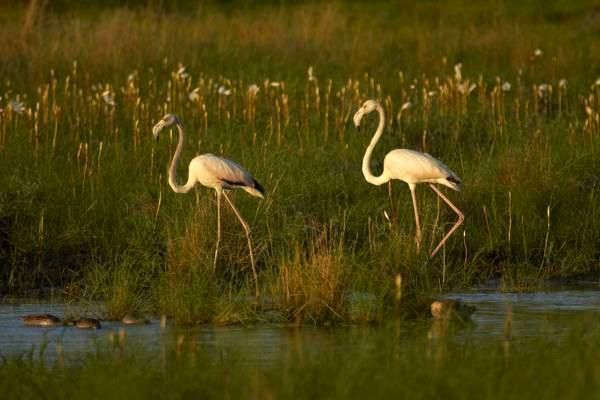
(312, 285)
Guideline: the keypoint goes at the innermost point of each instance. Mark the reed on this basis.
(312, 285)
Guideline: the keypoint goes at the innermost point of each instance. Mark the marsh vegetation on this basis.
(507, 96)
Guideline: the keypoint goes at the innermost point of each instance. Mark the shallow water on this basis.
(533, 315)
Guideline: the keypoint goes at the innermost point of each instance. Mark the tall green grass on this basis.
(84, 199)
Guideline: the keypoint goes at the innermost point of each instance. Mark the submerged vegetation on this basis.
(508, 97)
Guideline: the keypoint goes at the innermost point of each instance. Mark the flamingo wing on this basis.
(214, 171)
(415, 167)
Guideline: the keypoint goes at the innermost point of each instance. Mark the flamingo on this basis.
(410, 166)
(213, 172)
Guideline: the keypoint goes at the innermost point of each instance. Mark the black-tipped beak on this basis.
(358, 128)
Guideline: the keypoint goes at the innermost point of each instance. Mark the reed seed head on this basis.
(109, 97)
(458, 72)
(223, 91)
(16, 106)
(562, 83)
(253, 89)
(194, 95)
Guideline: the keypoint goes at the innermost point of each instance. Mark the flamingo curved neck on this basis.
(366, 164)
(173, 168)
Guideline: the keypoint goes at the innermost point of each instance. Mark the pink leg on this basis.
(247, 230)
(412, 186)
(218, 229)
(461, 218)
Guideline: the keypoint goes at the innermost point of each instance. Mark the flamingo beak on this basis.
(357, 117)
(157, 128)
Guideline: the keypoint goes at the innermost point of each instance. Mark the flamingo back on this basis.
(415, 167)
(220, 173)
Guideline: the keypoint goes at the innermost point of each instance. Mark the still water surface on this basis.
(533, 314)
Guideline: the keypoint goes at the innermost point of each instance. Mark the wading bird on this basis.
(448, 309)
(213, 172)
(84, 323)
(411, 167)
(46, 320)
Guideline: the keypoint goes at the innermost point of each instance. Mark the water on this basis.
(533, 314)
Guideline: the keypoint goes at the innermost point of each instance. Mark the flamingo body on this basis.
(415, 167)
(220, 173)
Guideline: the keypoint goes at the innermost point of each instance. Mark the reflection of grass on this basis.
(84, 190)
(378, 364)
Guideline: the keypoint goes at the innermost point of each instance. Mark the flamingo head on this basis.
(166, 122)
(367, 107)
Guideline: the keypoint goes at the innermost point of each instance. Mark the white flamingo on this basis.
(411, 167)
(213, 172)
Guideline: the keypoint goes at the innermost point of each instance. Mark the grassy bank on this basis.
(85, 203)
